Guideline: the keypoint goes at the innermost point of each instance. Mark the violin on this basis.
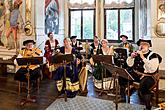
(34, 52)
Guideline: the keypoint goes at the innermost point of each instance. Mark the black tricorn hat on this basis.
(142, 40)
(72, 37)
(123, 36)
(28, 41)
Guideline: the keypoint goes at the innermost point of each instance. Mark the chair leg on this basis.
(38, 83)
(157, 93)
(19, 87)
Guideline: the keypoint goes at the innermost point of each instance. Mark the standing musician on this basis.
(126, 44)
(72, 71)
(29, 51)
(146, 62)
(50, 45)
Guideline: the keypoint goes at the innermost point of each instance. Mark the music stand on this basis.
(29, 61)
(101, 59)
(117, 71)
(122, 56)
(64, 59)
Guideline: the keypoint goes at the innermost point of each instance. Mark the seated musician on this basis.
(105, 50)
(126, 44)
(76, 44)
(72, 71)
(95, 46)
(28, 51)
(50, 45)
(145, 62)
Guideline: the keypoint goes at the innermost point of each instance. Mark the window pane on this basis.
(88, 21)
(112, 24)
(76, 24)
(126, 23)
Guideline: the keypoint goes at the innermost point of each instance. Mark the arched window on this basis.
(82, 18)
(119, 19)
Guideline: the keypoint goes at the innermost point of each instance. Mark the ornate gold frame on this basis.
(28, 27)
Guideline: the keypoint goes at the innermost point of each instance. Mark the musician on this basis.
(146, 62)
(125, 43)
(76, 44)
(72, 71)
(105, 50)
(95, 46)
(29, 51)
(50, 45)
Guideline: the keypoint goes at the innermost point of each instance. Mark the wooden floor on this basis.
(10, 99)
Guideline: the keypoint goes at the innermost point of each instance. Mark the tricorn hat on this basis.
(123, 36)
(28, 41)
(72, 37)
(142, 40)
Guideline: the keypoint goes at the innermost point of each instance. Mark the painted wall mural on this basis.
(5, 6)
(51, 16)
(10, 22)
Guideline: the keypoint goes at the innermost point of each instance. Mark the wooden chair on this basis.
(154, 89)
(21, 84)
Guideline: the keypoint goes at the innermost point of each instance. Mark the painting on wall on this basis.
(5, 6)
(161, 9)
(51, 16)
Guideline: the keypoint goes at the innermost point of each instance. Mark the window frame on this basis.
(94, 24)
(133, 24)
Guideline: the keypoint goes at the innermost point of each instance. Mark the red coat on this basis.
(48, 52)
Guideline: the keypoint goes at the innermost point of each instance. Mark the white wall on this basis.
(158, 43)
(61, 35)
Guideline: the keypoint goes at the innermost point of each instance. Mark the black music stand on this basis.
(117, 71)
(122, 56)
(29, 61)
(102, 59)
(64, 59)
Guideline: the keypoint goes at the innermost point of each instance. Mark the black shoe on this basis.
(147, 99)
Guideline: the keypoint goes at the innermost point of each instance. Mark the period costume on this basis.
(76, 44)
(126, 44)
(107, 76)
(34, 69)
(72, 73)
(149, 67)
(51, 46)
(95, 49)
(98, 67)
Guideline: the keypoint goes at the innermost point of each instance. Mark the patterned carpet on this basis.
(86, 103)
